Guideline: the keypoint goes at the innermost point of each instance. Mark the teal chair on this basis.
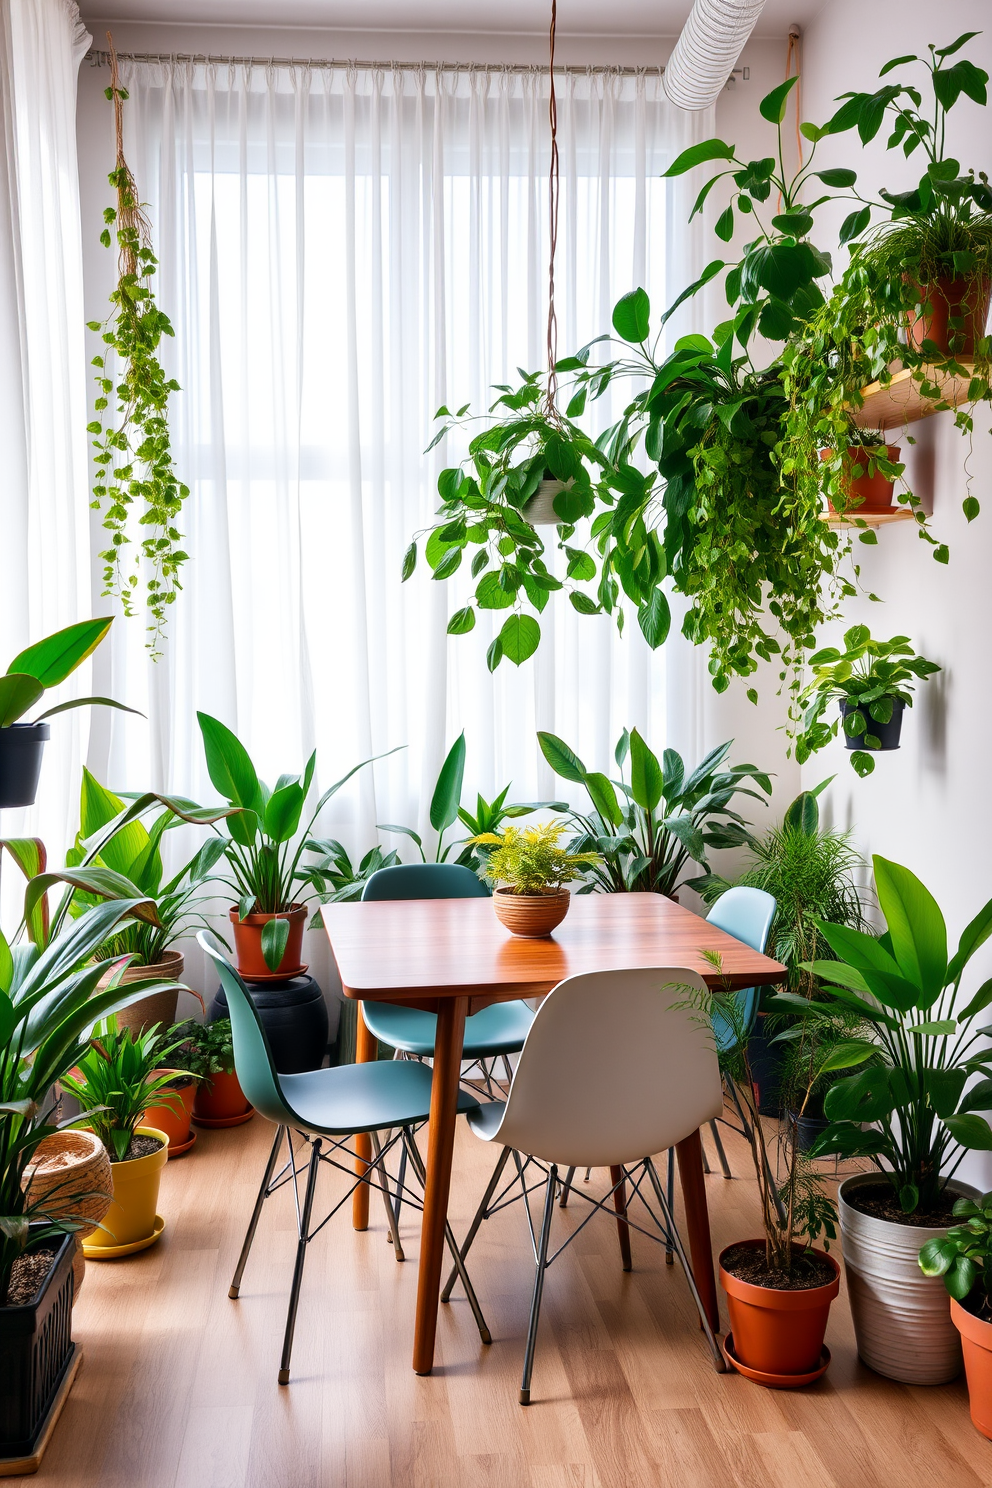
(326, 1105)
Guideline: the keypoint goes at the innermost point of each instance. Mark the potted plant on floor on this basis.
(114, 1083)
(532, 872)
(908, 1111)
(176, 1081)
(963, 1257)
(207, 1050)
(263, 850)
(30, 674)
(873, 683)
(49, 999)
(647, 829)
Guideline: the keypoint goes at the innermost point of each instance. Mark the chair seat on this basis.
(485, 1120)
(363, 1097)
(499, 1029)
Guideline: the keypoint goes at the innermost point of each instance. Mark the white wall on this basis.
(926, 806)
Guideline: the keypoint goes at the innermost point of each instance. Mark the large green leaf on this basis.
(19, 691)
(88, 702)
(275, 937)
(283, 811)
(713, 149)
(102, 881)
(974, 935)
(448, 790)
(98, 806)
(772, 107)
(52, 659)
(645, 774)
(970, 1131)
(655, 618)
(562, 760)
(632, 316)
(520, 638)
(603, 797)
(916, 925)
(228, 765)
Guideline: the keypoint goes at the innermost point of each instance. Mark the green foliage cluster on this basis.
(963, 1257)
(202, 1049)
(529, 860)
(113, 1081)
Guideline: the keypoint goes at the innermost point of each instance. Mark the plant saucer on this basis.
(275, 976)
(774, 1381)
(182, 1146)
(111, 1252)
(217, 1121)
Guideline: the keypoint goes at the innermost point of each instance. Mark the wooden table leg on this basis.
(366, 1049)
(620, 1205)
(441, 1141)
(697, 1221)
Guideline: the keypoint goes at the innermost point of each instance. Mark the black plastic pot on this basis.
(808, 1128)
(21, 746)
(887, 734)
(36, 1349)
(765, 1058)
(294, 1016)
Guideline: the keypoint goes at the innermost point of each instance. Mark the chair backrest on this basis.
(253, 1060)
(425, 881)
(615, 1067)
(747, 915)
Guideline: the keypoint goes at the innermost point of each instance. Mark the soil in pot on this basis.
(778, 1322)
(70, 1174)
(248, 943)
(866, 493)
(958, 311)
(28, 1274)
(37, 1355)
(976, 1345)
(880, 1201)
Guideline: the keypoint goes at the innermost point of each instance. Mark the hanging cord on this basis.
(550, 405)
(131, 225)
(794, 53)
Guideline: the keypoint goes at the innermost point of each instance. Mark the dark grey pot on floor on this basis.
(36, 1354)
(21, 749)
(294, 1016)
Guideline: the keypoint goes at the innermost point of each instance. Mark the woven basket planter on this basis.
(72, 1176)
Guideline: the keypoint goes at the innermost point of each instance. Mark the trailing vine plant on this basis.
(131, 431)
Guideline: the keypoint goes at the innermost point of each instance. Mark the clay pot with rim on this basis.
(248, 943)
(531, 915)
(866, 493)
(172, 1110)
(132, 1221)
(976, 1345)
(71, 1172)
(220, 1101)
(965, 301)
(902, 1321)
(778, 1332)
(160, 1007)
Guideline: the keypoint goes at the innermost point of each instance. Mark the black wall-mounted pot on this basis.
(887, 734)
(21, 746)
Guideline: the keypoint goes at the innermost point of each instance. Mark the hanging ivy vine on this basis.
(131, 440)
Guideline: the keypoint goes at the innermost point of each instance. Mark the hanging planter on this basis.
(540, 509)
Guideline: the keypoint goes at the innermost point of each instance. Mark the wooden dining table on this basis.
(452, 957)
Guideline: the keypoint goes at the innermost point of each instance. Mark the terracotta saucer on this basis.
(225, 1120)
(183, 1146)
(273, 976)
(774, 1381)
(111, 1252)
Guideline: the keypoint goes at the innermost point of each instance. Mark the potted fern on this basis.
(531, 872)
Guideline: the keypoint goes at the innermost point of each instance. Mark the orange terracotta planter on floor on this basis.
(248, 944)
(172, 1113)
(777, 1333)
(976, 1345)
(867, 493)
(964, 301)
(220, 1101)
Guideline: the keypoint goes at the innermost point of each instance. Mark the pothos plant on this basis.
(132, 449)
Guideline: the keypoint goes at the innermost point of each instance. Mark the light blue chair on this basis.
(326, 1105)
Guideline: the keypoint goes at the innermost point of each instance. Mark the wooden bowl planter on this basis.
(976, 1345)
(963, 301)
(21, 749)
(531, 915)
(248, 944)
(220, 1101)
(160, 1007)
(172, 1111)
(777, 1333)
(865, 493)
(132, 1222)
(72, 1173)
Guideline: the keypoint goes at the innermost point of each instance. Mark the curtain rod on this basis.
(98, 58)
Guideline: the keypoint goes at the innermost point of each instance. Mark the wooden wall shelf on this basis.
(870, 519)
(901, 402)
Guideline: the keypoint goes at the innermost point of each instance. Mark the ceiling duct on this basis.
(704, 56)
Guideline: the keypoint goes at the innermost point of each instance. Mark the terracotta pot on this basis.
(901, 1317)
(777, 1332)
(248, 943)
(965, 301)
(172, 1110)
(866, 493)
(71, 1172)
(220, 1101)
(160, 1008)
(531, 914)
(976, 1344)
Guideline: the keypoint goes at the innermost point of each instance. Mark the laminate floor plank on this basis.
(178, 1387)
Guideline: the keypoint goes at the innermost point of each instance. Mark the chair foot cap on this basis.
(400, 1253)
(284, 1376)
(485, 1335)
(234, 1291)
(525, 1397)
(669, 1258)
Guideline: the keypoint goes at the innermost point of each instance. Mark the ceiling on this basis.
(575, 17)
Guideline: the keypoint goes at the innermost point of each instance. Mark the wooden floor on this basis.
(178, 1385)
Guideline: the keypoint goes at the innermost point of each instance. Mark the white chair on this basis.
(616, 1066)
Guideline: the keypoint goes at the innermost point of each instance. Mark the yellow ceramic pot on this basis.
(132, 1219)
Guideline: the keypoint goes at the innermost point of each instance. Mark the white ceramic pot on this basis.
(902, 1319)
(540, 509)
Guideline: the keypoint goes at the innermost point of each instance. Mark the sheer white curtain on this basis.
(342, 251)
(44, 541)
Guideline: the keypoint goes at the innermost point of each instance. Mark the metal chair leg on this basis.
(391, 1221)
(565, 1188)
(702, 1153)
(535, 1306)
(718, 1144)
(669, 1218)
(263, 1194)
(669, 1252)
(473, 1301)
(400, 1179)
(480, 1215)
(301, 1254)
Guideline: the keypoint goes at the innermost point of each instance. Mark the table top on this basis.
(416, 951)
